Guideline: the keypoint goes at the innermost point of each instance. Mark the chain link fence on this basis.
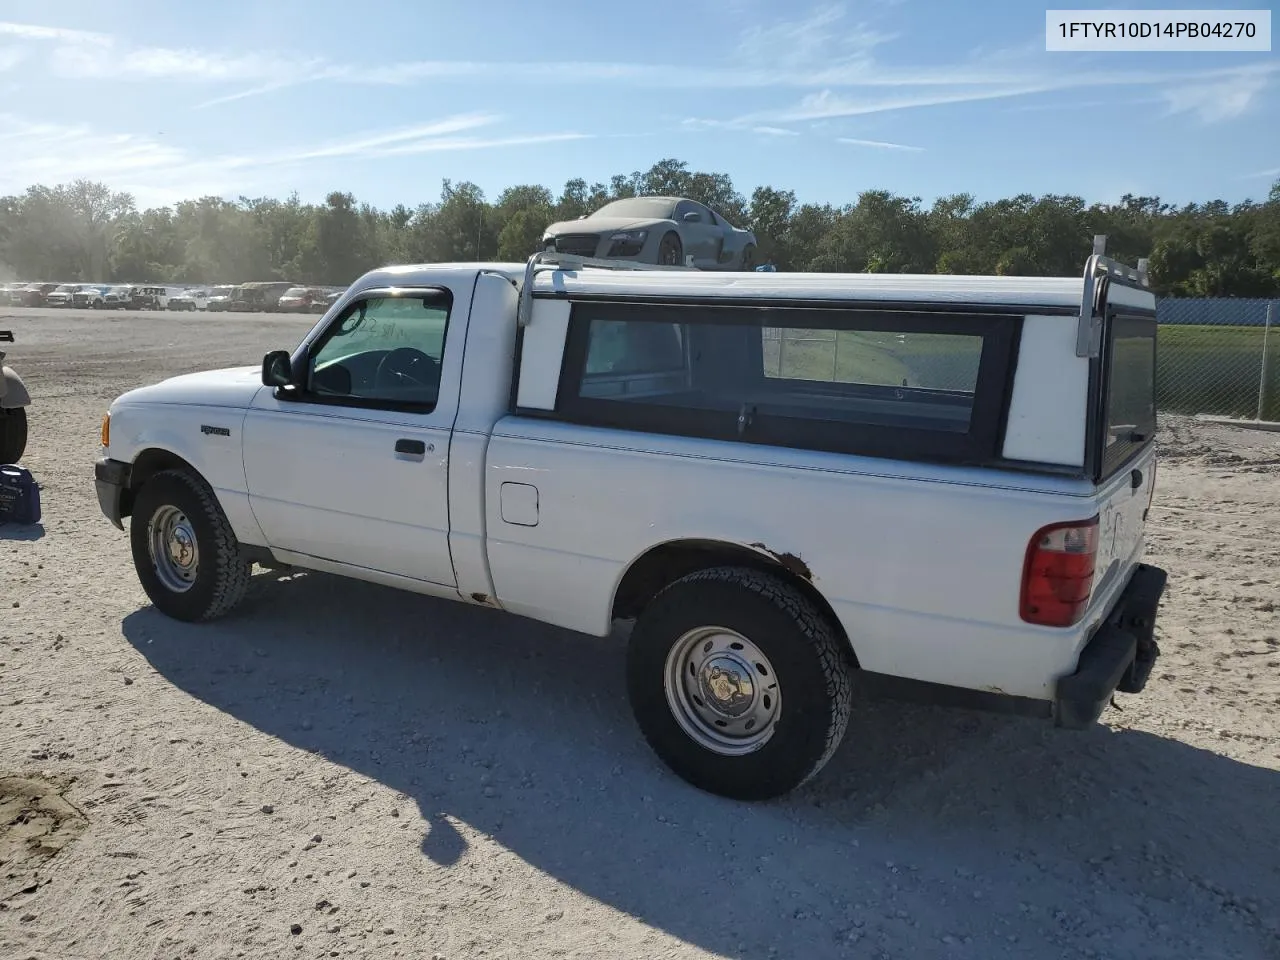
(1218, 357)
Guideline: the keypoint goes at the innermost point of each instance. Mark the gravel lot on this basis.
(345, 770)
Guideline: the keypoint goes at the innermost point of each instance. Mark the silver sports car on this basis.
(663, 230)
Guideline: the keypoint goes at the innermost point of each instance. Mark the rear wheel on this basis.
(13, 434)
(671, 251)
(184, 550)
(749, 257)
(739, 683)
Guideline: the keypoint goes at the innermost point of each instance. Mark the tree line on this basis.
(85, 231)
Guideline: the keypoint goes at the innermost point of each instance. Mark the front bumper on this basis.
(1118, 657)
(111, 477)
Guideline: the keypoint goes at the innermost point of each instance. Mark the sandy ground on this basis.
(344, 770)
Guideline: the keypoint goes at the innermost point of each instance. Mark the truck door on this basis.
(352, 465)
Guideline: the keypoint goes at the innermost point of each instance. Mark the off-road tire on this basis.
(222, 575)
(671, 251)
(810, 661)
(13, 434)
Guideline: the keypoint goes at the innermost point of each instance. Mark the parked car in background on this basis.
(90, 297)
(328, 300)
(299, 300)
(190, 300)
(669, 231)
(149, 298)
(117, 297)
(260, 295)
(33, 295)
(61, 295)
(220, 298)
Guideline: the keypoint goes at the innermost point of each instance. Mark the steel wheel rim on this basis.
(722, 691)
(174, 552)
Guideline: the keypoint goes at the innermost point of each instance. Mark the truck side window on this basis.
(622, 346)
(866, 381)
(634, 358)
(933, 360)
(383, 351)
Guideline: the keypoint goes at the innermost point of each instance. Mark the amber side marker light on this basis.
(106, 430)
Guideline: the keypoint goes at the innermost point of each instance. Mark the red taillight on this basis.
(1057, 579)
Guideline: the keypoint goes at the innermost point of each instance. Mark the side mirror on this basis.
(277, 369)
(692, 217)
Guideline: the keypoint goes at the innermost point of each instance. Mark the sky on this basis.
(387, 98)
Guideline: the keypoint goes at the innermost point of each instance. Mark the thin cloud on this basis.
(1215, 101)
(1082, 105)
(50, 153)
(480, 143)
(828, 105)
(821, 37)
(31, 31)
(83, 62)
(879, 144)
(1210, 94)
(253, 92)
(699, 123)
(385, 143)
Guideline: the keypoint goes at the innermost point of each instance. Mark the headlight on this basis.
(627, 243)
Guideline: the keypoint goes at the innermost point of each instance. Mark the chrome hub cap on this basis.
(174, 551)
(722, 690)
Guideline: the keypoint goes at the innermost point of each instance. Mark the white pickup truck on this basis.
(936, 485)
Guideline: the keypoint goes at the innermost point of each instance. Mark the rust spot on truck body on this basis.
(788, 560)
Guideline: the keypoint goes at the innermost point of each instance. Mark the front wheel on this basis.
(748, 257)
(184, 550)
(739, 683)
(13, 434)
(671, 251)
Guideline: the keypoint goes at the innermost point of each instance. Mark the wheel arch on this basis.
(146, 464)
(663, 564)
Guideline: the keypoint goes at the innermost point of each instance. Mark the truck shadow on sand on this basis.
(929, 823)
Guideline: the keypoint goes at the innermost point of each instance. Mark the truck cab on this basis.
(938, 483)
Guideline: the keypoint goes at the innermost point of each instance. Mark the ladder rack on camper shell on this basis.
(1099, 271)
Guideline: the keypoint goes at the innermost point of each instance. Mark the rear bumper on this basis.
(111, 477)
(1118, 657)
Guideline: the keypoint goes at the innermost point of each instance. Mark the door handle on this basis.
(1135, 479)
(411, 446)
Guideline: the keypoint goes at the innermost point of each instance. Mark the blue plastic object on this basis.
(19, 495)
